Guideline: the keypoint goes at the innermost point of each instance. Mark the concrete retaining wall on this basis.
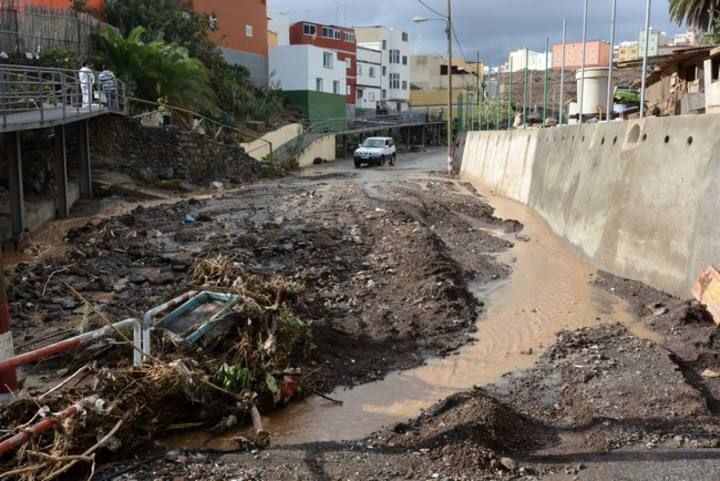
(259, 149)
(638, 199)
(323, 149)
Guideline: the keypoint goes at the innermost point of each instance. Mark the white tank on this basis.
(595, 92)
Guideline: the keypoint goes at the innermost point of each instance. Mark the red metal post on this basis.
(8, 377)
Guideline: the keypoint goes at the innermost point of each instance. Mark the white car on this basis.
(376, 150)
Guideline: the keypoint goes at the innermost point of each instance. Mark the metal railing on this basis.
(55, 95)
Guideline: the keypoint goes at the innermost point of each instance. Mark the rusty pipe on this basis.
(149, 315)
(64, 345)
(41, 426)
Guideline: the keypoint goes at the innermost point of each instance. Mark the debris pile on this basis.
(248, 363)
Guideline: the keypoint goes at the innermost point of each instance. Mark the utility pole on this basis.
(525, 90)
(545, 95)
(562, 74)
(645, 58)
(8, 378)
(510, 97)
(581, 100)
(611, 93)
(450, 99)
(477, 87)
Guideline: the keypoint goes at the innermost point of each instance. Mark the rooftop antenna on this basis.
(337, 12)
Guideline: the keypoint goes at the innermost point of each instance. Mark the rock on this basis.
(509, 464)
(162, 278)
(65, 302)
(153, 234)
(204, 218)
(185, 236)
(186, 187)
(710, 374)
(137, 278)
(217, 185)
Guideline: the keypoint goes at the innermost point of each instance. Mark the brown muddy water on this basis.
(548, 291)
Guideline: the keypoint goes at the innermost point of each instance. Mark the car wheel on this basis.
(393, 159)
(357, 164)
(381, 162)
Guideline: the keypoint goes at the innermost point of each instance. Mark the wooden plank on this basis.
(707, 291)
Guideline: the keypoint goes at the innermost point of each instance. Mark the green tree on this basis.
(700, 14)
(157, 69)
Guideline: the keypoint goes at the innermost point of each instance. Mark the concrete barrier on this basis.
(638, 198)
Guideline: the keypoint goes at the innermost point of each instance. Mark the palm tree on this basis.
(700, 14)
(157, 69)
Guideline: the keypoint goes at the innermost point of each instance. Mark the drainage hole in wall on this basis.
(667, 139)
(644, 137)
(633, 135)
(690, 140)
(602, 142)
(583, 139)
(615, 141)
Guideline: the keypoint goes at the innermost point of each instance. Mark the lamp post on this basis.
(450, 126)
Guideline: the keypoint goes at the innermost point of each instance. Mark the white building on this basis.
(395, 47)
(688, 39)
(369, 78)
(306, 68)
(535, 60)
(279, 24)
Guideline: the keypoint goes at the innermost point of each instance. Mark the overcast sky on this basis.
(495, 27)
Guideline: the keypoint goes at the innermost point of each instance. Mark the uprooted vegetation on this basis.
(251, 360)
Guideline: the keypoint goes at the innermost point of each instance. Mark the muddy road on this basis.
(464, 339)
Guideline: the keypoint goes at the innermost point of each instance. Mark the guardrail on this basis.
(54, 94)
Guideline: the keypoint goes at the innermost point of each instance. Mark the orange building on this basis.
(597, 54)
(240, 29)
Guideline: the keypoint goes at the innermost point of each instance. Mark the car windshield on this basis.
(374, 143)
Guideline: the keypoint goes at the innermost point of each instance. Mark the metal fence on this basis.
(29, 28)
(42, 95)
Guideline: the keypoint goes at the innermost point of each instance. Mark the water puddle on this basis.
(549, 291)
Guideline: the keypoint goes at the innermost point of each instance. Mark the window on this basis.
(372, 97)
(328, 60)
(360, 69)
(319, 84)
(394, 80)
(384, 71)
(213, 22)
(337, 34)
(384, 44)
(336, 87)
(348, 63)
(349, 37)
(372, 72)
(404, 85)
(404, 59)
(405, 37)
(248, 30)
(309, 29)
(360, 93)
(715, 72)
(349, 90)
(384, 94)
(394, 56)
(328, 32)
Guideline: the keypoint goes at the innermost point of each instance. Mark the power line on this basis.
(454, 32)
(432, 9)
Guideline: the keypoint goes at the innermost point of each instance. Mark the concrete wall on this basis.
(636, 198)
(323, 149)
(259, 149)
(256, 64)
(297, 68)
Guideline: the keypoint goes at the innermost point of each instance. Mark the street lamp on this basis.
(450, 126)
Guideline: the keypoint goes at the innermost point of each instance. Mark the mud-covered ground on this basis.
(383, 287)
(387, 262)
(599, 404)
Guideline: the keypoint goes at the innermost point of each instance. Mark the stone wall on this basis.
(637, 198)
(148, 153)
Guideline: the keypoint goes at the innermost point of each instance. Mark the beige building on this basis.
(429, 85)
(628, 52)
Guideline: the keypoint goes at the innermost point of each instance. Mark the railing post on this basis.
(42, 104)
(63, 93)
